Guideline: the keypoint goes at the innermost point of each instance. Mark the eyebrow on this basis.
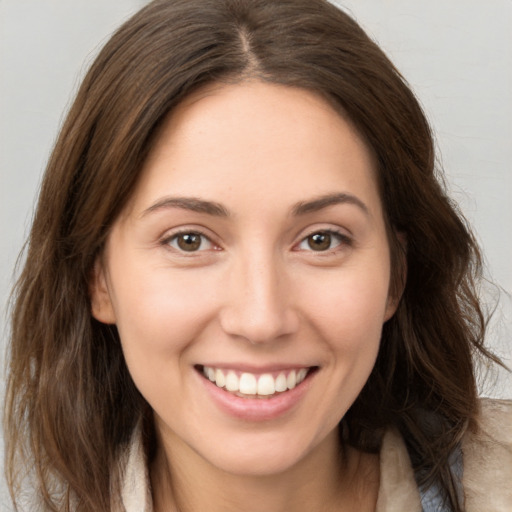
(189, 203)
(195, 204)
(325, 201)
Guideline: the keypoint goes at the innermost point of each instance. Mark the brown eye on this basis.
(320, 241)
(189, 242)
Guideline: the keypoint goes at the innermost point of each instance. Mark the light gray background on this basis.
(456, 54)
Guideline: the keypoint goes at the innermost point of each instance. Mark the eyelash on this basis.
(167, 241)
(343, 240)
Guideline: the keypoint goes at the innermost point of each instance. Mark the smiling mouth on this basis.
(250, 385)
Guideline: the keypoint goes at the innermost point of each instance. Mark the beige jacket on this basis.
(487, 477)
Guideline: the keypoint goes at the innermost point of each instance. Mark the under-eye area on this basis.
(260, 385)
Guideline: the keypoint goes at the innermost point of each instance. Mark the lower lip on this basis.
(257, 409)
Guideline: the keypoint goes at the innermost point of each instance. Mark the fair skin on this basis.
(254, 244)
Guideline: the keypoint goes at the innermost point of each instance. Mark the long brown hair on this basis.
(71, 405)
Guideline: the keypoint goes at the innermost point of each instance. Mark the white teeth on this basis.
(220, 378)
(281, 384)
(232, 382)
(291, 381)
(266, 385)
(250, 384)
(301, 375)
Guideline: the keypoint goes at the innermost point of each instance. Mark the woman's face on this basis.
(252, 256)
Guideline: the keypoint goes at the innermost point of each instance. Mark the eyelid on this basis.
(345, 240)
(169, 236)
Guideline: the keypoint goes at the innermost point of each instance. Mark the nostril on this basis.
(259, 326)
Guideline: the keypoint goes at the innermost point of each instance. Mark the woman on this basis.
(245, 288)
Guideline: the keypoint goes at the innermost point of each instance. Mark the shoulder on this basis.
(398, 489)
(487, 452)
(492, 414)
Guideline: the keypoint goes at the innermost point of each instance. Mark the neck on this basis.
(329, 478)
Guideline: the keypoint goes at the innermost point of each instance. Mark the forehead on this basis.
(256, 140)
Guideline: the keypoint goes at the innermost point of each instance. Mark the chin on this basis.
(265, 455)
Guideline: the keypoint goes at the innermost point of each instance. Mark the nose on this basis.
(259, 304)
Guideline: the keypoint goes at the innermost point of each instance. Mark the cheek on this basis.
(160, 316)
(347, 315)
(160, 313)
(349, 307)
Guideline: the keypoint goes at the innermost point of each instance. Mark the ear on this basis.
(101, 303)
(391, 306)
(398, 275)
